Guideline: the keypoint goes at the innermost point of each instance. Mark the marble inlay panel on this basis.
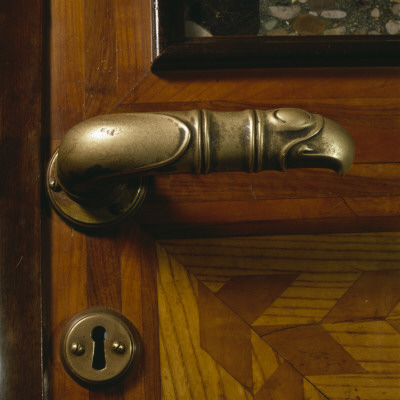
(292, 17)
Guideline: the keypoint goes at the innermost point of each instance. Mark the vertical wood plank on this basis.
(68, 248)
(68, 298)
(104, 290)
(67, 66)
(133, 43)
(103, 273)
(87, 38)
(139, 305)
(22, 30)
(100, 56)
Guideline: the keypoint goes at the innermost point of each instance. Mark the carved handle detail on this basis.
(96, 176)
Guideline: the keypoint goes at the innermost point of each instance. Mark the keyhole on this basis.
(99, 335)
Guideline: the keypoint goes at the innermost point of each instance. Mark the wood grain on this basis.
(108, 59)
(23, 255)
(100, 63)
(262, 85)
(365, 301)
(100, 56)
(356, 387)
(305, 302)
(133, 44)
(95, 63)
(115, 272)
(103, 273)
(362, 180)
(68, 298)
(285, 383)
(187, 372)
(330, 331)
(373, 344)
(139, 304)
(259, 291)
(288, 254)
(312, 351)
(222, 330)
(67, 60)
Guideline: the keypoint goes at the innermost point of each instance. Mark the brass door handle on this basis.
(97, 176)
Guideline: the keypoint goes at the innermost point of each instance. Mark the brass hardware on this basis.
(99, 346)
(97, 176)
(118, 347)
(77, 348)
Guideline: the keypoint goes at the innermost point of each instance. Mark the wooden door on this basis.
(267, 286)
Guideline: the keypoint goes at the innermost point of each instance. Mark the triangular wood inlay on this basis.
(249, 296)
(225, 337)
(373, 296)
(312, 351)
(284, 384)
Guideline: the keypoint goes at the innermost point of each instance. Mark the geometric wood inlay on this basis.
(312, 351)
(249, 295)
(290, 317)
(225, 336)
(284, 384)
(373, 296)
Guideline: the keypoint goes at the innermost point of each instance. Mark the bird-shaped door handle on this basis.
(97, 177)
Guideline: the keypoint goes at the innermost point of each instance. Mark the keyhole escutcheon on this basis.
(100, 346)
(99, 335)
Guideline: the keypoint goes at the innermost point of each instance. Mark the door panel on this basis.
(280, 317)
(100, 63)
(118, 272)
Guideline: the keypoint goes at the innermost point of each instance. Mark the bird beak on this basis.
(332, 147)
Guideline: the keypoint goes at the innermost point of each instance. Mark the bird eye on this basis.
(305, 149)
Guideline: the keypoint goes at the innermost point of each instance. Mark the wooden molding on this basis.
(23, 317)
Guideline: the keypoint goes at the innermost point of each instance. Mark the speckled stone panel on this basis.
(292, 17)
(335, 17)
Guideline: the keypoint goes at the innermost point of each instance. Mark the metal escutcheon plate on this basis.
(95, 216)
(99, 346)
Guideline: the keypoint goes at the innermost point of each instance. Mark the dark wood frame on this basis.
(23, 234)
(172, 51)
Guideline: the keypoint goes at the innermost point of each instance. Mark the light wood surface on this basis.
(288, 317)
(100, 63)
